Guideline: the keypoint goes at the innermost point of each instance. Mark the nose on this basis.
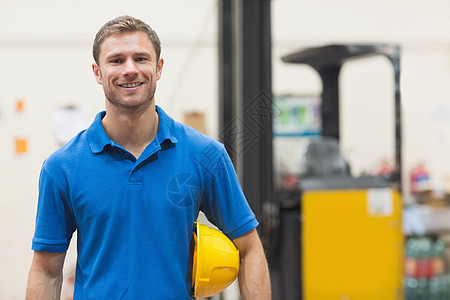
(130, 68)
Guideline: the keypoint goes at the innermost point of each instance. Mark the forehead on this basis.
(127, 43)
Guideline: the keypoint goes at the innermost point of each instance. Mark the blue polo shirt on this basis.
(134, 217)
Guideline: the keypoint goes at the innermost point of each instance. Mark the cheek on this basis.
(148, 71)
(108, 77)
(109, 72)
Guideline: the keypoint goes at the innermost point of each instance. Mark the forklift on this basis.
(340, 237)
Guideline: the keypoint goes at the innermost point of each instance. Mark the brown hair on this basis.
(124, 24)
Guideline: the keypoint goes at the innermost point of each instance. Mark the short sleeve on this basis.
(55, 223)
(225, 204)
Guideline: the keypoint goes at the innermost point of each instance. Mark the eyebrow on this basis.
(118, 54)
(113, 55)
(143, 53)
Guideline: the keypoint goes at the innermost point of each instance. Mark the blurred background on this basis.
(394, 102)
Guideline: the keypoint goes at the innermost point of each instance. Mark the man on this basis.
(132, 186)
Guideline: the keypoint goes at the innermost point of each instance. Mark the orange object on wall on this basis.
(20, 105)
(21, 146)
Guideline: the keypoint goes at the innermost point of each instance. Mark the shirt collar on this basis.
(166, 127)
(96, 135)
(98, 139)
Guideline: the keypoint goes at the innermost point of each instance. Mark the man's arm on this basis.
(45, 278)
(254, 279)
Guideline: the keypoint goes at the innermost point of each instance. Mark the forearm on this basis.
(45, 277)
(42, 286)
(254, 279)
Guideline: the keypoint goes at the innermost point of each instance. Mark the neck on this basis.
(134, 131)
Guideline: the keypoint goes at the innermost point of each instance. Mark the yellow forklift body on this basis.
(352, 244)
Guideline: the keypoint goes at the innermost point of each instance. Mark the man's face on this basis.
(128, 71)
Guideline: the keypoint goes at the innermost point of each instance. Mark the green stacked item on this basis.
(425, 271)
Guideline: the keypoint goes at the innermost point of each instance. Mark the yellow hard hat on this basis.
(215, 262)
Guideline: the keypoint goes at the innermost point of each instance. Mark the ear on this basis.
(97, 73)
(159, 68)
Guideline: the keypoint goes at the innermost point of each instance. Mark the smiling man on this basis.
(128, 69)
(132, 185)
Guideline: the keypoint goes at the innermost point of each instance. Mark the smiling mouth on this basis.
(131, 85)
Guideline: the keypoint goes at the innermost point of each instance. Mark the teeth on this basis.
(130, 85)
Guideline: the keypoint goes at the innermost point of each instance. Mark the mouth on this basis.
(130, 85)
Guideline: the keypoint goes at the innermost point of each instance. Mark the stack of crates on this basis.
(426, 273)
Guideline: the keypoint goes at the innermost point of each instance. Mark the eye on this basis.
(116, 61)
(141, 59)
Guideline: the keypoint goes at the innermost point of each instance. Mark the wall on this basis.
(45, 59)
(422, 29)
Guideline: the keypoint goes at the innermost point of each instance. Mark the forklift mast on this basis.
(328, 61)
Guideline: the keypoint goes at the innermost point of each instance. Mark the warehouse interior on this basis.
(336, 115)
